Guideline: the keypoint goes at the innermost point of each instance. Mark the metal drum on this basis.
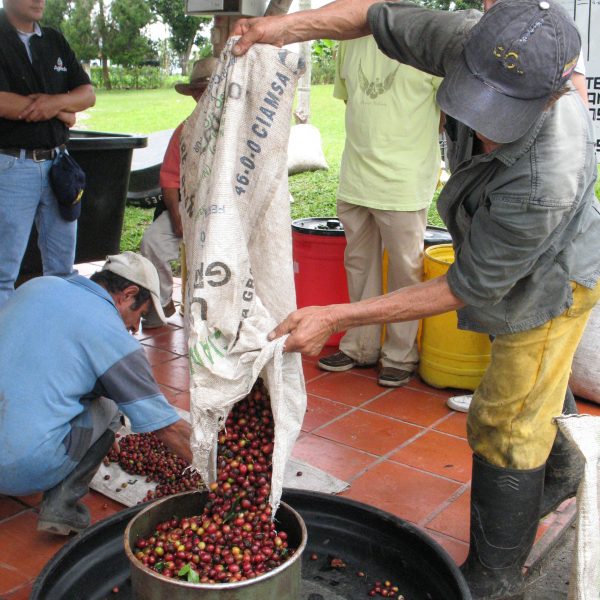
(281, 582)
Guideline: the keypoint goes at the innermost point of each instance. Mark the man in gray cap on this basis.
(525, 226)
(68, 367)
(162, 239)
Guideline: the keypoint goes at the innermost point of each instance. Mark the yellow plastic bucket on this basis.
(450, 357)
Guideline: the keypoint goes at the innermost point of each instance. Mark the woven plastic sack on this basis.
(305, 151)
(237, 234)
(584, 432)
(585, 372)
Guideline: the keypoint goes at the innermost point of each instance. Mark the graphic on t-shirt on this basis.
(376, 87)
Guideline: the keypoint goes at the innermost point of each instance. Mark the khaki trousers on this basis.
(510, 421)
(402, 234)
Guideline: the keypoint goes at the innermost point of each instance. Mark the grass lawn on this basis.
(145, 111)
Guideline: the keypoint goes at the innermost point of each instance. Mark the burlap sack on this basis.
(584, 432)
(237, 234)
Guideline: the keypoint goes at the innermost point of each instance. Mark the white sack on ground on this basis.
(237, 233)
(584, 432)
(585, 373)
(305, 151)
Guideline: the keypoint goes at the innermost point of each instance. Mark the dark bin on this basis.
(106, 160)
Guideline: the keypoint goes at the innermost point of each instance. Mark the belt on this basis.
(38, 154)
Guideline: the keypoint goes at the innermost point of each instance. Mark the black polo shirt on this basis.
(54, 69)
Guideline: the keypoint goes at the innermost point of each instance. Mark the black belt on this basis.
(38, 154)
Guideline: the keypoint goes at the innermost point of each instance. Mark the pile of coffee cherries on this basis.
(234, 539)
(385, 589)
(144, 454)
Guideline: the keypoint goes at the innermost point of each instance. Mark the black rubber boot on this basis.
(505, 507)
(564, 467)
(61, 512)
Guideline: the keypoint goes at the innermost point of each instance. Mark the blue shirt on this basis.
(63, 341)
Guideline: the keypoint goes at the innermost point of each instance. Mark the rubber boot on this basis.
(564, 467)
(505, 508)
(61, 512)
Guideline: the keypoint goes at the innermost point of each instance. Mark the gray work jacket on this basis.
(524, 219)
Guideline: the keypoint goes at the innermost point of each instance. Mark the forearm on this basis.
(407, 304)
(580, 83)
(176, 438)
(12, 105)
(78, 99)
(171, 200)
(340, 20)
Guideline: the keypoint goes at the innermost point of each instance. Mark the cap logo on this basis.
(531, 29)
(569, 67)
(510, 59)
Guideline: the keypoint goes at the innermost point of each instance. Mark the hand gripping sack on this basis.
(237, 234)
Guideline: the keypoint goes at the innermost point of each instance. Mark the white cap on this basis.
(138, 270)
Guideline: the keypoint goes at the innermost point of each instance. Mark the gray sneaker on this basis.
(391, 377)
(341, 362)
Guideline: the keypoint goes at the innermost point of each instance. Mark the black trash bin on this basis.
(106, 160)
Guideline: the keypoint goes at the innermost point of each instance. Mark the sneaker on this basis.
(391, 377)
(340, 362)
(460, 403)
(169, 309)
(153, 322)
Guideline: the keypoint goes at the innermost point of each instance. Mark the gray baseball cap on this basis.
(139, 270)
(515, 58)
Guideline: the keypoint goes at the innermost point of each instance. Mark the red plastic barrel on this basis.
(318, 249)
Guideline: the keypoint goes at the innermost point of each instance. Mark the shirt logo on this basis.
(59, 65)
(375, 88)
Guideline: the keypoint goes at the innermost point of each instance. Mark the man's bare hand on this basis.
(42, 108)
(260, 30)
(308, 328)
(68, 118)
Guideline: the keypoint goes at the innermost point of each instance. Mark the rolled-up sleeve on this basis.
(507, 238)
(428, 40)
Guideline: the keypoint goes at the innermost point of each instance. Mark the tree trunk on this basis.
(105, 72)
(278, 7)
(302, 112)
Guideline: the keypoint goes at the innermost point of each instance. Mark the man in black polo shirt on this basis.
(42, 86)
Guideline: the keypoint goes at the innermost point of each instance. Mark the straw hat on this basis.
(199, 76)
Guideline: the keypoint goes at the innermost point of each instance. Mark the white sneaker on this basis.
(460, 403)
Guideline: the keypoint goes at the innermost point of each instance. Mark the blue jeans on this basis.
(26, 198)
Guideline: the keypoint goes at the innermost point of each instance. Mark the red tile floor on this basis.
(402, 451)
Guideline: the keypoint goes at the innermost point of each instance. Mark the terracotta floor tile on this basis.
(9, 507)
(410, 494)
(311, 371)
(347, 388)
(341, 461)
(586, 407)
(22, 593)
(157, 356)
(455, 424)
(369, 432)
(457, 550)
(170, 393)
(454, 520)
(320, 411)
(438, 453)
(182, 400)
(148, 334)
(100, 506)
(174, 374)
(35, 548)
(416, 383)
(410, 405)
(11, 579)
(169, 338)
(32, 500)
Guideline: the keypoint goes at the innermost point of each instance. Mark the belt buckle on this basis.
(35, 156)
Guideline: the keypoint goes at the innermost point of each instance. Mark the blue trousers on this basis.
(27, 198)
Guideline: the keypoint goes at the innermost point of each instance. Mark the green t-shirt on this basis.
(391, 158)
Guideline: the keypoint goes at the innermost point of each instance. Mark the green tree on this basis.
(453, 4)
(185, 30)
(127, 45)
(80, 31)
(55, 13)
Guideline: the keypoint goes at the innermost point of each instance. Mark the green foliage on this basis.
(185, 30)
(126, 44)
(322, 72)
(133, 78)
(453, 4)
(323, 61)
(54, 13)
(80, 31)
(134, 224)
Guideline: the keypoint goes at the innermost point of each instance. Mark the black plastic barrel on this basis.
(106, 160)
